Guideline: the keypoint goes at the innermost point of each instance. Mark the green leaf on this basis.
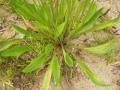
(91, 12)
(56, 70)
(23, 8)
(81, 29)
(90, 23)
(74, 3)
(44, 28)
(8, 43)
(90, 74)
(16, 51)
(38, 61)
(42, 13)
(105, 24)
(47, 77)
(60, 29)
(103, 48)
(62, 9)
(67, 58)
(25, 32)
(81, 8)
(41, 26)
(48, 8)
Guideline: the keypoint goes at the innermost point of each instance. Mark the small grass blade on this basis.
(81, 8)
(91, 11)
(8, 43)
(42, 13)
(56, 70)
(74, 3)
(25, 32)
(60, 29)
(105, 24)
(67, 58)
(62, 9)
(16, 51)
(47, 77)
(103, 48)
(90, 74)
(23, 8)
(38, 61)
(81, 29)
(90, 23)
(35, 64)
(41, 26)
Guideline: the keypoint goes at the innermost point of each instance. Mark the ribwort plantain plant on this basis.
(51, 26)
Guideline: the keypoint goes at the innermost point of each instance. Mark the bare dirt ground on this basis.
(109, 73)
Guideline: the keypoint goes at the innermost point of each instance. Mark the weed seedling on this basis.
(51, 25)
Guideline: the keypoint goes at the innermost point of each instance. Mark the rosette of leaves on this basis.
(51, 26)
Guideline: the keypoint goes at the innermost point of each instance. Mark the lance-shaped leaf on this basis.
(103, 48)
(67, 58)
(81, 8)
(25, 32)
(105, 24)
(89, 73)
(47, 77)
(74, 3)
(38, 61)
(41, 26)
(62, 9)
(16, 51)
(56, 70)
(8, 43)
(81, 29)
(23, 8)
(91, 22)
(61, 29)
(42, 13)
(48, 9)
(91, 12)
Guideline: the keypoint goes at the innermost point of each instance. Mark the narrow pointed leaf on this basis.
(41, 26)
(8, 43)
(16, 51)
(60, 29)
(81, 29)
(43, 13)
(67, 58)
(91, 12)
(23, 8)
(74, 3)
(56, 70)
(82, 7)
(103, 48)
(90, 74)
(47, 77)
(38, 61)
(25, 32)
(62, 9)
(90, 23)
(105, 24)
